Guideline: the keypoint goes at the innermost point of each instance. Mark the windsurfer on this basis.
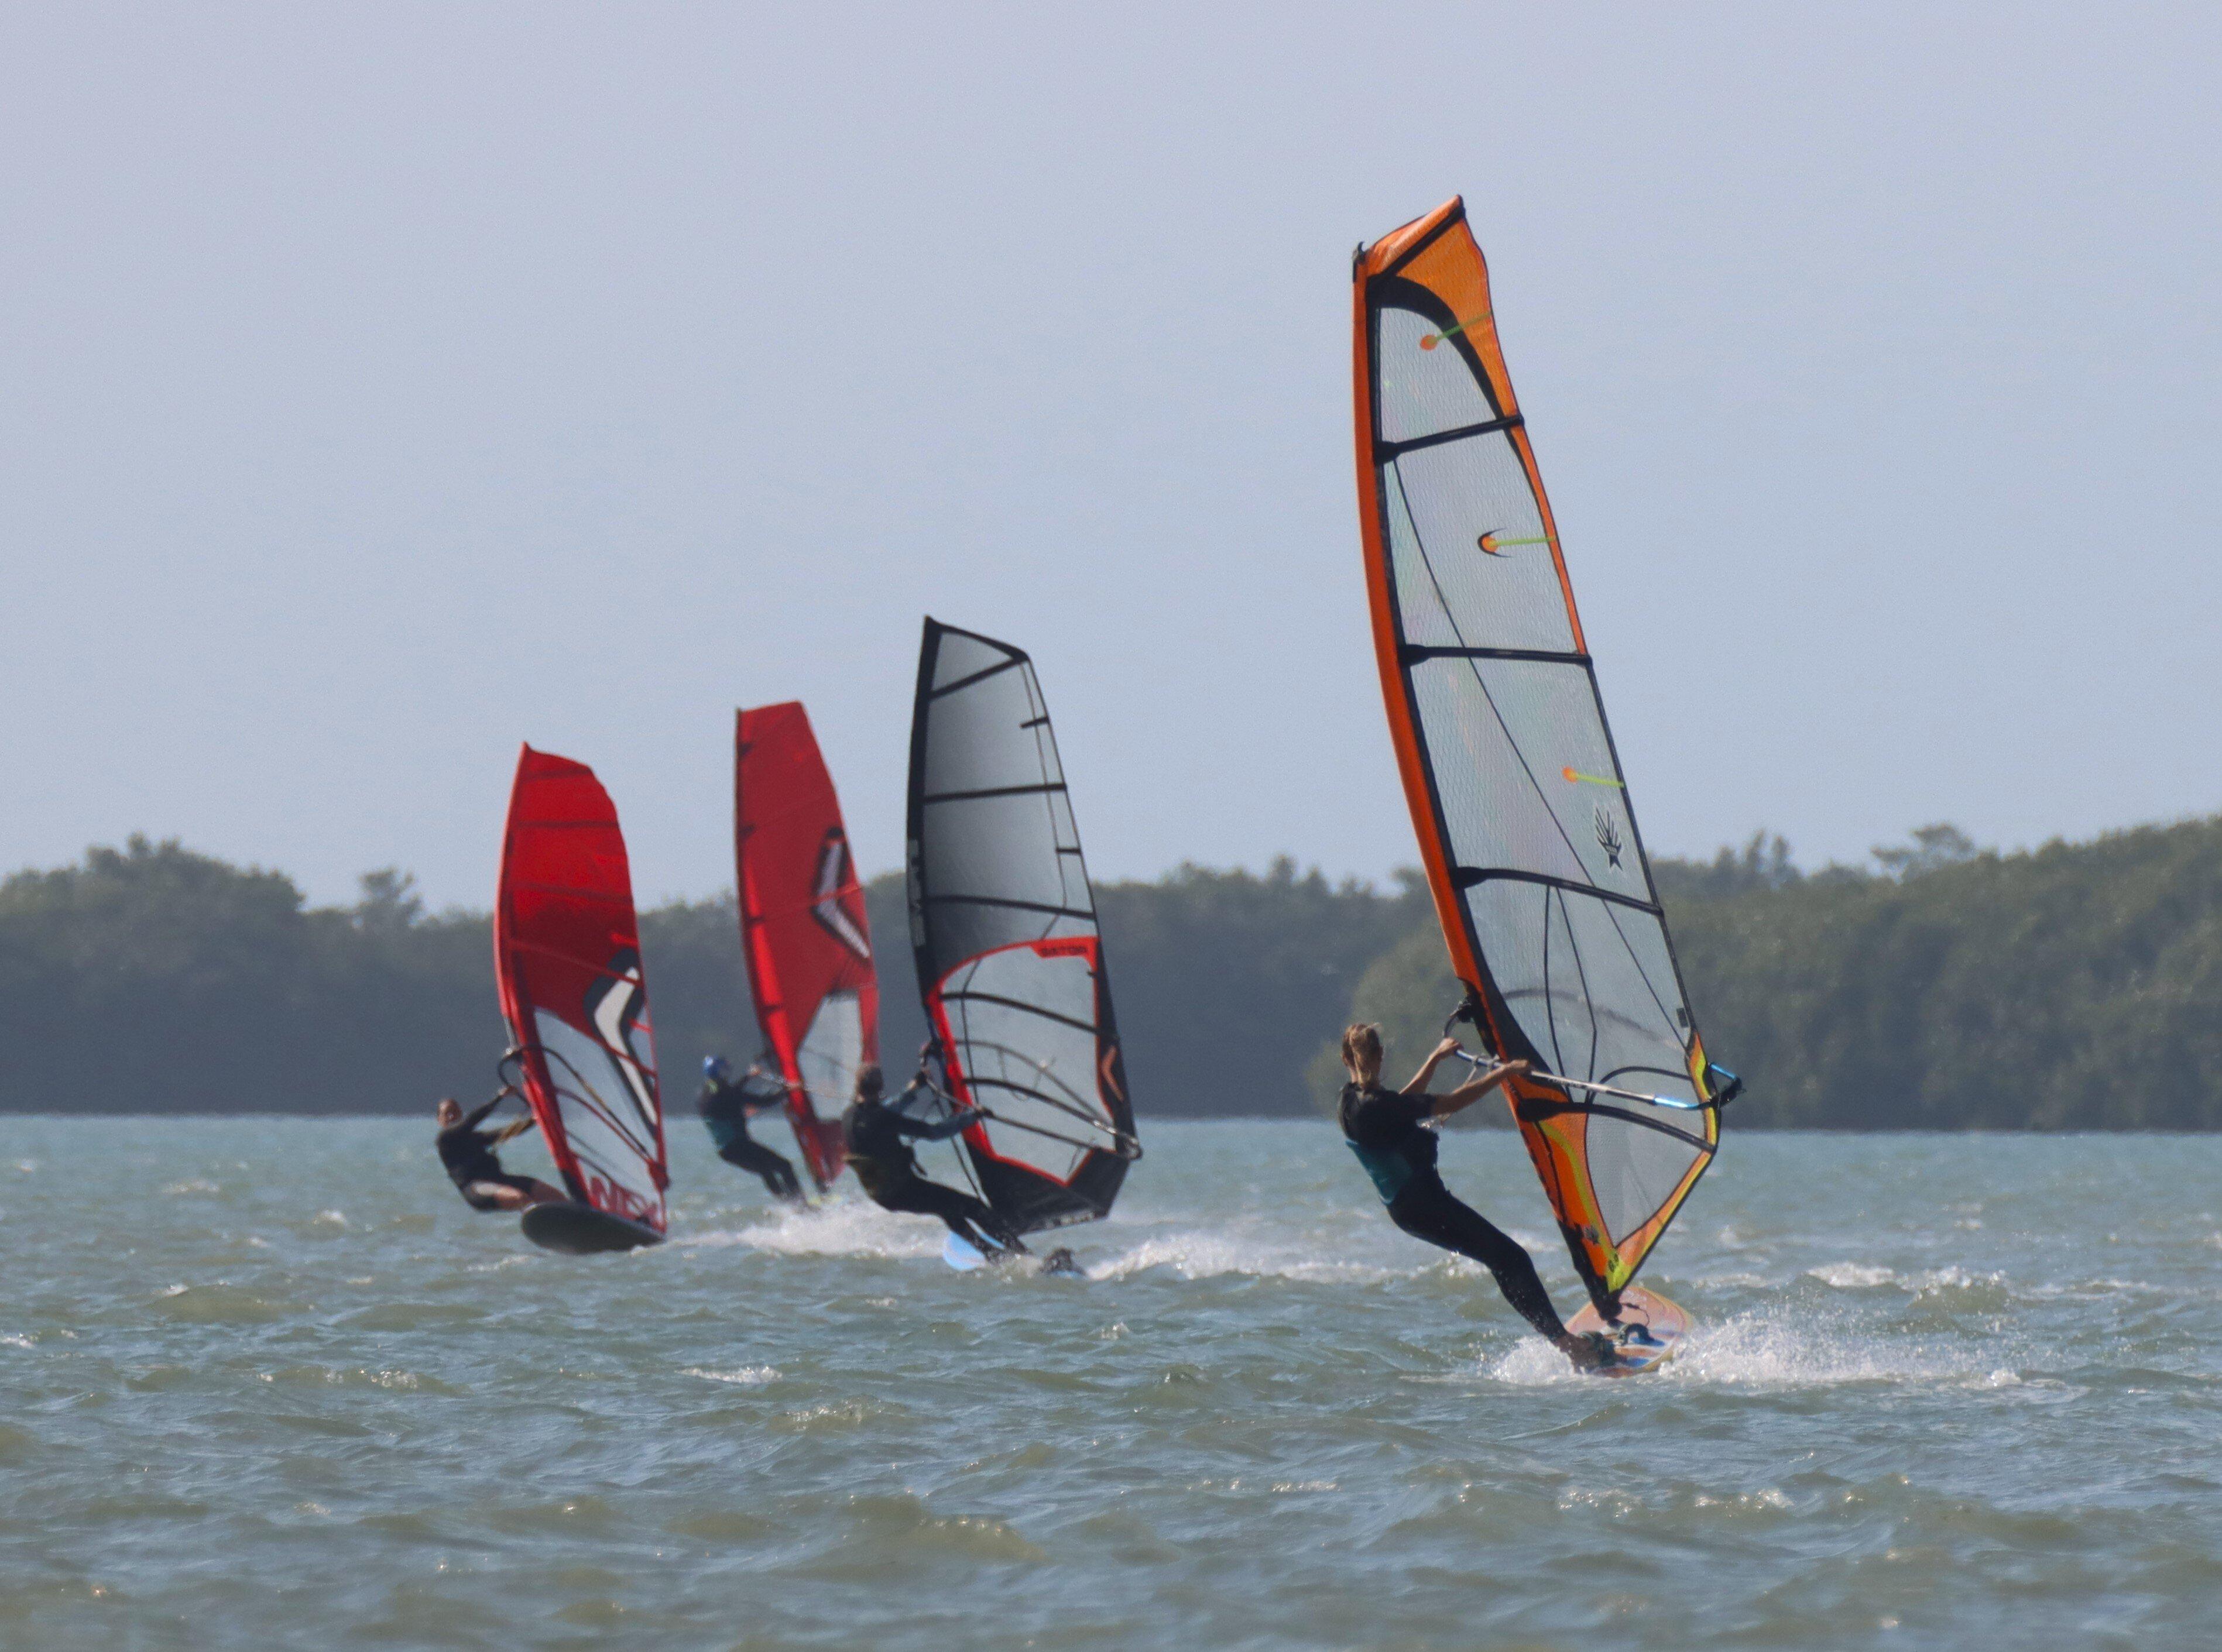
(725, 1106)
(877, 1135)
(469, 1154)
(1383, 1127)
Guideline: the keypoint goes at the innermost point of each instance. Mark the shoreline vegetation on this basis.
(2073, 987)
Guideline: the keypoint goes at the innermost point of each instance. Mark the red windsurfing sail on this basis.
(566, 950)
(803, 928)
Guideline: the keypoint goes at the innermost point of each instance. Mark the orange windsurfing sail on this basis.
(1524, 820)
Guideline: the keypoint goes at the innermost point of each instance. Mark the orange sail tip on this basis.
(1371, 260)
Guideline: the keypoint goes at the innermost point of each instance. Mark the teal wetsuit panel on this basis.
(1391, 1171)
(724, 1132)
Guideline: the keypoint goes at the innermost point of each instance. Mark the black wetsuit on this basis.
(726, 1109)
(467, 1153)
(877, 1137)
(1383, 1128)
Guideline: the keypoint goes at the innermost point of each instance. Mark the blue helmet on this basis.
(713, 1067)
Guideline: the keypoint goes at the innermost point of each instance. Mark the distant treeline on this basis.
(2078, 986)
(153, 979)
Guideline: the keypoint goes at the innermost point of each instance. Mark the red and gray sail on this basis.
(567, 952)
(803, 926)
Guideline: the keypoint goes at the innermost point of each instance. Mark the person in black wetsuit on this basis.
(1384, 1129)
(467, 1153)
(877, 1135)
(725, 1106)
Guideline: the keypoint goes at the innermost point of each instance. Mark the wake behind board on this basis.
(582, 1230)
(968, 1258)
(1650, 1330)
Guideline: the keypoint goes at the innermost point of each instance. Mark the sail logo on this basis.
(1496, 544)
(833, 879)
(1608, 836)
(616, 1008)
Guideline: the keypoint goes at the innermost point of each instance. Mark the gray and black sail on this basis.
(1003, 928)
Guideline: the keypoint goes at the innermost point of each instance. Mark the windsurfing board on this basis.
(967, 1258)
(1650, 1330)
(582, 1231)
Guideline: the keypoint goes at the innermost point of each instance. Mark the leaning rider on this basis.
(469, 1154)
(725, 1105)
(877, 1135)
(1386, 1129)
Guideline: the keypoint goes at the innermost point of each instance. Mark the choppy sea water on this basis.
(268, 1384)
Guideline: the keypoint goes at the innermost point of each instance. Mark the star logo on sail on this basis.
(833, 878)
(1608, 834)
(1497, 544)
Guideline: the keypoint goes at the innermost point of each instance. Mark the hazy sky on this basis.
(382, 385)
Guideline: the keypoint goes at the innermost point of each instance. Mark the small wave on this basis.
(1760, 1350)
(522, 1259)
(834, 1416)
(1853, 1276)
(899, 1524)
(844, 1229)
(219, 1304)
(394, 1381)
(1202, 1254)
(1925, 1282)
(747, 1376)
(194, 1185)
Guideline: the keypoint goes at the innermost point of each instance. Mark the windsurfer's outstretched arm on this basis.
(919, 1130)
(1467, 1093)
(877, 1135)
(725, 1106)
(467, 1153)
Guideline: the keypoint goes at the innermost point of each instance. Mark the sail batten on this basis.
(1527, 832)
(1003, 930)
(803, 926)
